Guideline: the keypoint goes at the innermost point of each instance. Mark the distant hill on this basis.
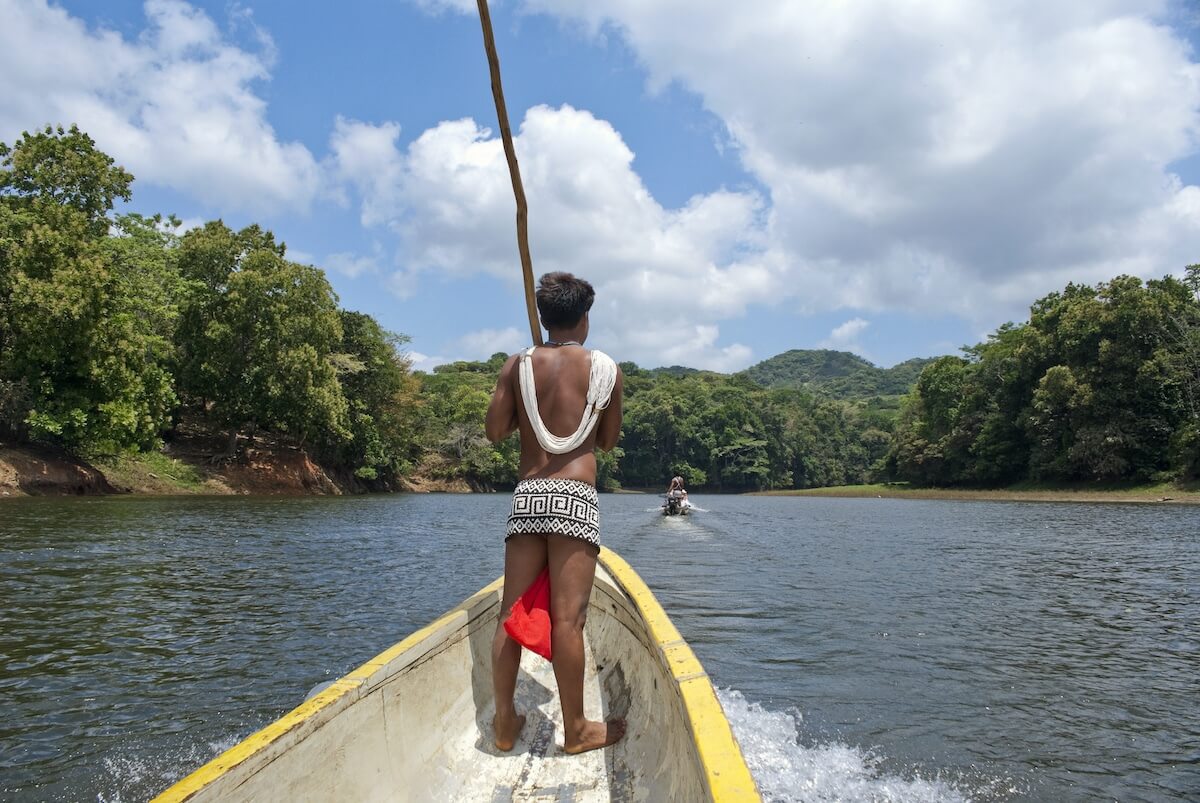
(675, 370)
(836, 373)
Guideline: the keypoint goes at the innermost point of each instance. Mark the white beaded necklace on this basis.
(601, 380)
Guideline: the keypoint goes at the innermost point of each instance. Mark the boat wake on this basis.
(134, 777)
(786, 770)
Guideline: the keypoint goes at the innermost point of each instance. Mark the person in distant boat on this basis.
(675, 490)
(559, 388)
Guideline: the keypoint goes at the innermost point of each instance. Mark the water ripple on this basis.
(869, 649)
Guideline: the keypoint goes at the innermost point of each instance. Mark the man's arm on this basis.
(608, 431)
(501, 420)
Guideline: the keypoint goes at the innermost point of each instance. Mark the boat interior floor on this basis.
(537, 768)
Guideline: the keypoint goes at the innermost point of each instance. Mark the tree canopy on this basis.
(1099, 384)
(835, 373)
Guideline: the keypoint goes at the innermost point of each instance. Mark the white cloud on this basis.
(298, 256)
(439, 6)
(188, 223)
(365, 156)
(402, 283)
(657, 271)
(478, 345)
(694, 346)
(176, 106)
(922, 155)
(481, 344)
(844, 337)
(846, 332)
(925, 156)
(355, 265)
(425, 362)
(958, 156)
(350, 264)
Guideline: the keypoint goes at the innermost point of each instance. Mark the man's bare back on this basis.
(560, 375)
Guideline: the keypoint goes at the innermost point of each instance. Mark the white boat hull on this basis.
(414, 723)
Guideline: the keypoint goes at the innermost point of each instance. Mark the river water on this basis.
(864, 649)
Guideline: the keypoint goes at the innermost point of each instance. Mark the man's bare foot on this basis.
(594, 736)
(507, 730)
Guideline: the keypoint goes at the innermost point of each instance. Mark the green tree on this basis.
(57, 172)
(455, 399)
(257, 337)
(1183, 354)
(99, 383)
(382, 399)
(607, 464)
(929, 445)
(1052, 425)
(1094, 387)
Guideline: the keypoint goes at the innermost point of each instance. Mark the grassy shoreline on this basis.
(1163, 493)
(40, 471)
(155, 473)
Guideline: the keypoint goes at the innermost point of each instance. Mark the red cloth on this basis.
(528, 622)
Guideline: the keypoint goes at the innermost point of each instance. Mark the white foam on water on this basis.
(787, 771)
(141, 778)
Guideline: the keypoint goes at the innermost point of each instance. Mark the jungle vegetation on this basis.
(119, 331)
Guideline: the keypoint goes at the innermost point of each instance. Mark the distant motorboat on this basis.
(675, 505)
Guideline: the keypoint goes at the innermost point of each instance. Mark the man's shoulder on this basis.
(597, 354)
(510, 364)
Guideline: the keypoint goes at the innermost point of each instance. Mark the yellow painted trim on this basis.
(261, 740)
(729, 779)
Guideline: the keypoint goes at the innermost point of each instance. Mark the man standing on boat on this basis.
(559, 388)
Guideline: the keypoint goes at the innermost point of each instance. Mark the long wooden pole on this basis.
(514, 171)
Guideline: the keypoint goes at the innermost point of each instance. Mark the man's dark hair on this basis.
(562, 299)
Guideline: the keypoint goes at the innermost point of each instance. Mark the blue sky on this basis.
(895, 179)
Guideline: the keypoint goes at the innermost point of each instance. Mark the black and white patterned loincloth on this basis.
(565, 507)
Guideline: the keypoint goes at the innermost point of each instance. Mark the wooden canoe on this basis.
(413, 723)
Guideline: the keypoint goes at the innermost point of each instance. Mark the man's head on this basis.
(563, 300)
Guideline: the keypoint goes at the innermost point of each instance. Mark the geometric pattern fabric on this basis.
(564, 507)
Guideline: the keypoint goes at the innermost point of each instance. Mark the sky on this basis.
(895, 178)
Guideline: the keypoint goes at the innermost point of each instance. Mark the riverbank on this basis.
(31, 471)
(188, 465)
(1161, 493)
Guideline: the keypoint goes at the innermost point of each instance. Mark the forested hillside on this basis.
(120, 331)
(1102, 383)
(839, 374)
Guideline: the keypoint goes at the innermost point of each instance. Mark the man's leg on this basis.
(572, 570)
(524, 559)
